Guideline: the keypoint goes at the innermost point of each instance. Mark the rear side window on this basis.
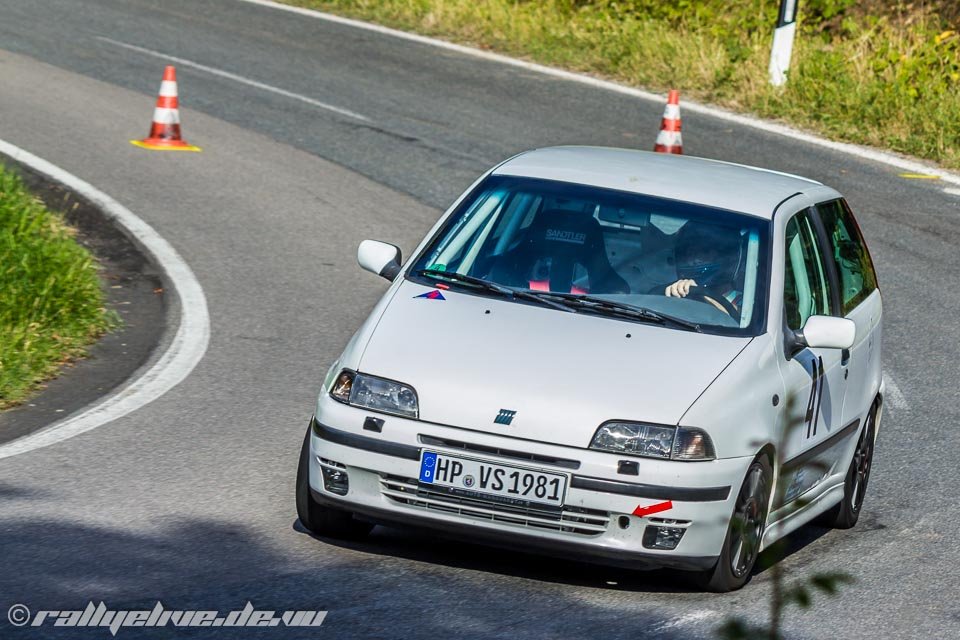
(854, 266)
(806, 287)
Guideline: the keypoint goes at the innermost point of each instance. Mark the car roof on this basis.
(708, 182)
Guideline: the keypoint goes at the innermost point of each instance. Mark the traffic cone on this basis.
(669, 139)
(165, 129)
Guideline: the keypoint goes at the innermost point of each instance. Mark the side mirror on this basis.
(380, 258)
(824, 332)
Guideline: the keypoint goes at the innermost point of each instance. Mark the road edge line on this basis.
(867, 153)
(894, 394)
(185, 351)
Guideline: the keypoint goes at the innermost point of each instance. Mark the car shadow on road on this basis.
(425, 546)
(794, 543)
(422, 545)
(370, 591)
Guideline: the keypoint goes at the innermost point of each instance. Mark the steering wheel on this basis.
(711, 294)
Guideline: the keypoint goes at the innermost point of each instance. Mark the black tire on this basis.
(320, 519)
(846, 514)
(741, 545)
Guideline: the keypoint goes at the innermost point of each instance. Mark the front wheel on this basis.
(742, 544)
(320, 519)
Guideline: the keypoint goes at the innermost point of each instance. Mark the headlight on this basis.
(378, 394)
(654, 441)
(638, 439)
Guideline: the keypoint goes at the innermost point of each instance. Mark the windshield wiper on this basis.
(570, 302)
(493, 287)
(602, 305)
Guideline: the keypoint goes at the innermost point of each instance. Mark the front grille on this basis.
(572, 520)
(497, 451)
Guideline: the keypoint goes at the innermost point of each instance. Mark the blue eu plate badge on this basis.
(427, 466)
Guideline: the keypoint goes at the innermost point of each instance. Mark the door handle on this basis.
(844, 357)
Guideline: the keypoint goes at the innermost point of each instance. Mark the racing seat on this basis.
(554, 244)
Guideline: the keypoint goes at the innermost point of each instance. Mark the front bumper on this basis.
(596, 523)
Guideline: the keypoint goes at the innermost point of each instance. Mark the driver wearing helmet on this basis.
(707, 260)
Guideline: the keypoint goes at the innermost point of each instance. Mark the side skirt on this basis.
(793, 520)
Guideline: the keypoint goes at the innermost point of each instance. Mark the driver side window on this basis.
(806, 288)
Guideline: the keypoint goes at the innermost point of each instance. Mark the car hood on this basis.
(470, 356)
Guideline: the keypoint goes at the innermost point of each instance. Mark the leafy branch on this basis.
(799, 593)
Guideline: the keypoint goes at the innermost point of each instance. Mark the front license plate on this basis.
(504, 483)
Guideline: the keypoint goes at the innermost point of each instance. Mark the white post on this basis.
(782, 47)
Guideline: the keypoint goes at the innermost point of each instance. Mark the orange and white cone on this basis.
(165, 130)
(669, 139)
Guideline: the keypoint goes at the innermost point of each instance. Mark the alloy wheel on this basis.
(862, 461)
(748, 521)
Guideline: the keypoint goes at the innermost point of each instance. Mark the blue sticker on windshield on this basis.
(431, 295)
(427, 465)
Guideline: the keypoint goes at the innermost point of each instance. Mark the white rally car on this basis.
(639, 359)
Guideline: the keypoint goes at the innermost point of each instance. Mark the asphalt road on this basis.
(190, 499)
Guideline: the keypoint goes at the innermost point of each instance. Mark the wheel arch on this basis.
(769, 452)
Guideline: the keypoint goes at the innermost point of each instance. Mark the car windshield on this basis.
(562, 241)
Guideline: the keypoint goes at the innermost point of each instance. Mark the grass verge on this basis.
(51, 303)
(879, 72)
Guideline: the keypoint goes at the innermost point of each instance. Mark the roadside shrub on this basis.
(880, 72)
(51, 304)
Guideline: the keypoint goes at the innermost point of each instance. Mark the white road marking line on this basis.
(867, 153)
(894, 395)
(185, 351)
(952, 192)
(682, 621)
(232, 76)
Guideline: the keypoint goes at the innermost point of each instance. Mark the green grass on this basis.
(51, 303)
(876, 72)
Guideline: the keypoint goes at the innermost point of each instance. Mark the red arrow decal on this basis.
(652, 509)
